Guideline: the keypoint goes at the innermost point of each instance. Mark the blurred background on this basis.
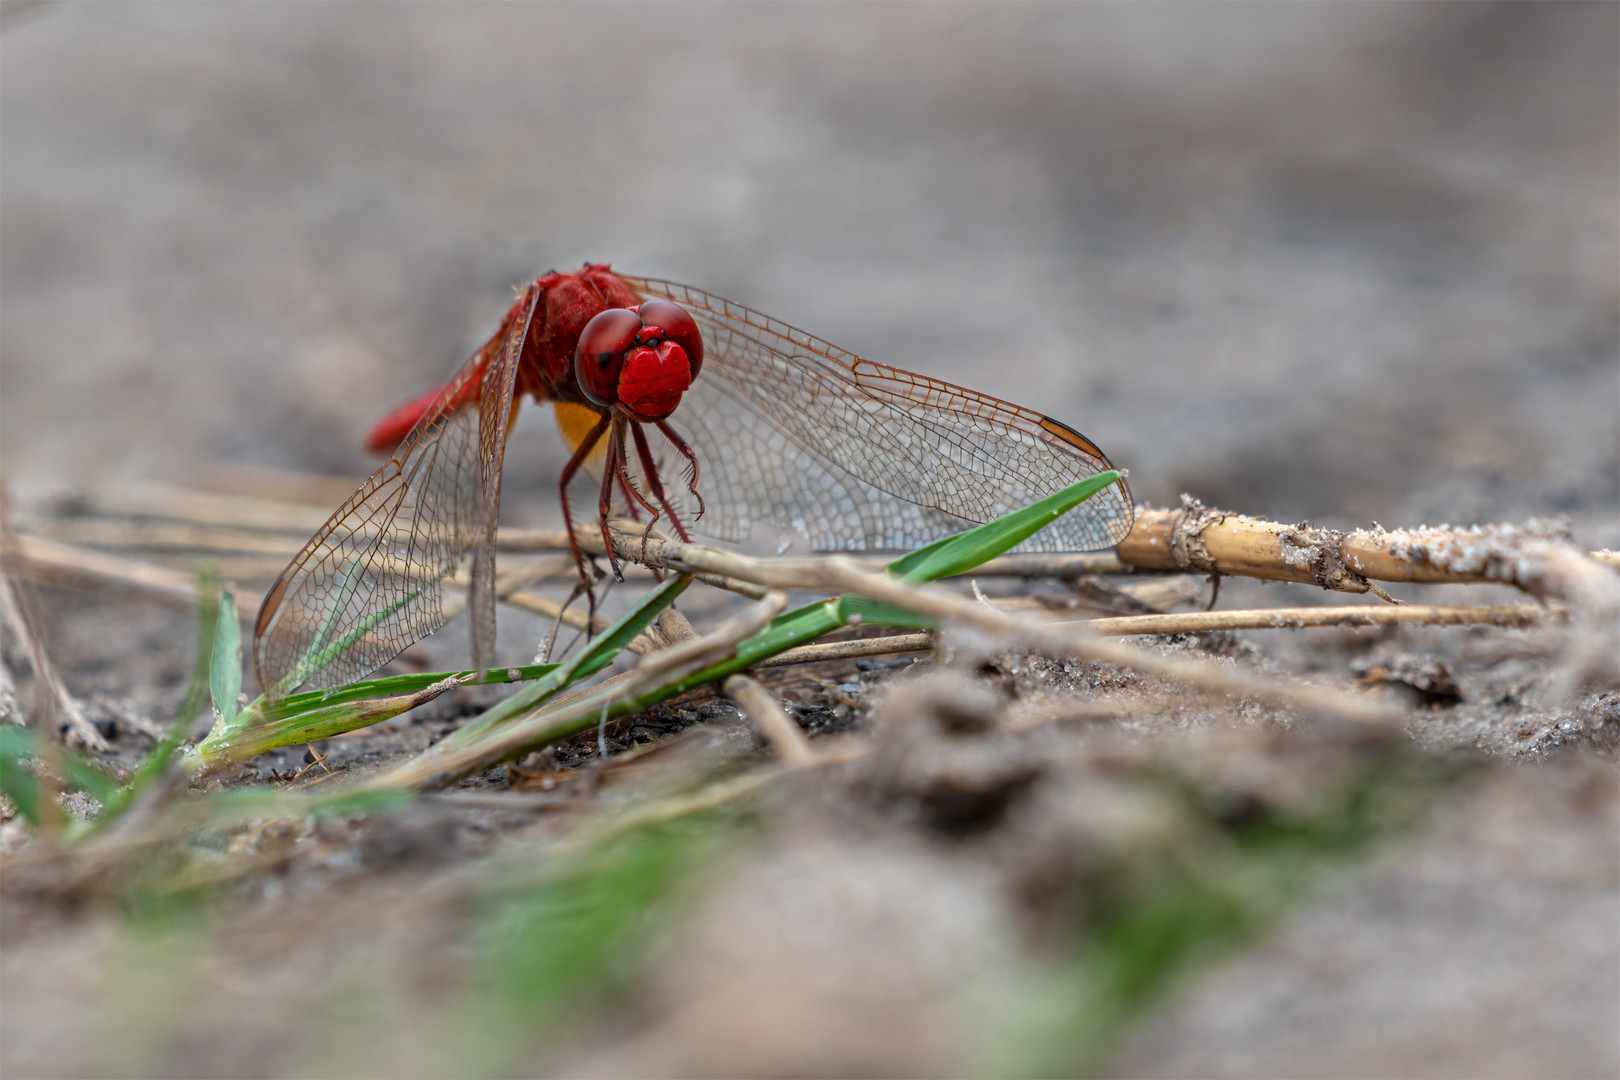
(1333, 260)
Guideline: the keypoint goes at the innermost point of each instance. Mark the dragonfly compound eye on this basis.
(675, 324)
(600, 353)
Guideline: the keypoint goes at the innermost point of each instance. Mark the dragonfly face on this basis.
(642, 359)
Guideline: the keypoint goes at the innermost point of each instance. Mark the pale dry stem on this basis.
(1201, 622)
(51, 694)
(444, 763)
(840, 574)
(51, 562)
(1202, 539)
(784, 736)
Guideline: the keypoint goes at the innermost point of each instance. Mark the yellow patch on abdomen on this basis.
(575, 422)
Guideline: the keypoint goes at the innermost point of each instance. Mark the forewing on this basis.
(790, 429)
(495, 416)
(368, 584)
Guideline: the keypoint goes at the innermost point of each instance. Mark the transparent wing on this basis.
(368, 584)
(792, 430)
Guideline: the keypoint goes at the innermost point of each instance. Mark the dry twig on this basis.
(51, 562)
(1201, 539)
(840, 574)
(52, 695)
(778, 728)
(1200, 622)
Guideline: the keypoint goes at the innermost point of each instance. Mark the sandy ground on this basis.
(1350, 263)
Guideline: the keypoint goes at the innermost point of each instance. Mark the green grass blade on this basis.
(17, 782)
(259, 802)
(85, 776)
(225, 665)
(157, 761)
(877, 613)
(953, 555)
(598, 655)
(266, 725)
(550, 951)
(962, 552)
(324, 649)
(391, 686)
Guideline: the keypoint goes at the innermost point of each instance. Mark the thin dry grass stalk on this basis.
(445, 763)
(756, 703)
(51, 694)
(1195, 622)
(163, 536)
(1192, 538)
(51, 562)
(850, 650)
(838, 574)
(1200, 622)
(167, 501)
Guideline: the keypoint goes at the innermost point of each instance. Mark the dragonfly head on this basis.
(642, 359)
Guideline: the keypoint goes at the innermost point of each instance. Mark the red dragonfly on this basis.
(774, 426)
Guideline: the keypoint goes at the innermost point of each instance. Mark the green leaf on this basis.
(598, 655)
(953, 555)
(225, 665)
(18, 780)
(390, 686)
(270, 802)
(877, 613)
(157, 761)
(962, 552)
(550, 951)
(320, 714)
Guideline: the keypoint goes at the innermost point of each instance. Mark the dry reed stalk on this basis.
(182, 536)
(841, 574)
(1201, 539)
(1193, 538)
(672, 628)
(261, 569)
(51, 562)
(627, 533)
(268, 483)
(152, 500)
(784, 736)
(51, 694)
(1066, 565)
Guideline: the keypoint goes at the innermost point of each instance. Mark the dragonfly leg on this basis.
(629, 499)
(691, 461)
(604, 501)
(618, 469)
(649, 469)
(585, 446)
(632, 494)
(649, 477)
(543, 656)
